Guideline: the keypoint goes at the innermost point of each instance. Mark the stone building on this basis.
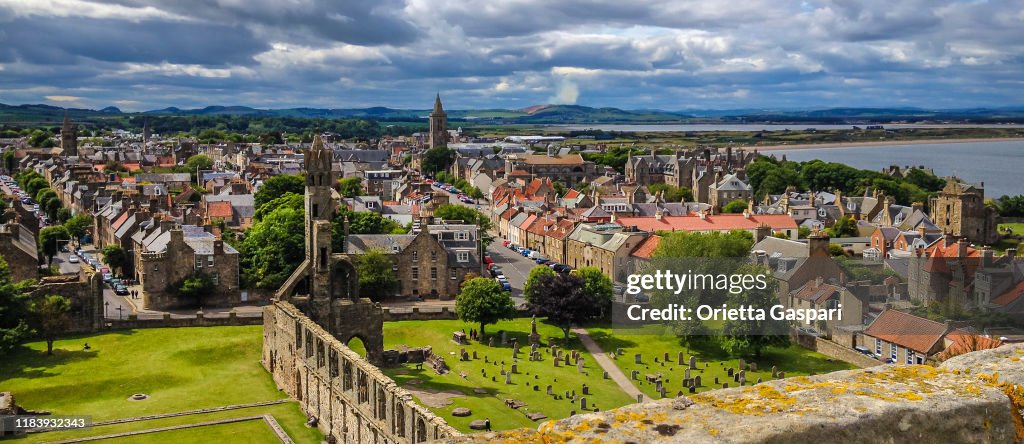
(172, 253)
(69, 137)
(729, 188)
(438, 125)
(570, 169)
(18, 249)
(432, 263)
(960, 210)
(606, 247)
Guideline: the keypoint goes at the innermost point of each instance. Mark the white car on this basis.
(73, 259)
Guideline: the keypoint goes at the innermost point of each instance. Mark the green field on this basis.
(180, 369)
(1001, 246)
(712, 360)
(604, 393)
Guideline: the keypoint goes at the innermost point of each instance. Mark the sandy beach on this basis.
(879, 143)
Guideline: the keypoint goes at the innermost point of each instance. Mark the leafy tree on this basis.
(845, 226)
(752, 336)
(9, 162)
(79, 225)
(350, 186)
(535, 275)
(51, 316)
(437, 159)
(559, 188)
(277, 186)
(63, 215)
(45, 195)
(287, 200)
(1011, 206)
(564, 300)
(198, 162)
(375, 274)
(671, 193)
(925, 180)
(196, 288)
(116, 257)
(597, 284)
(803, 232)
(273, 248)
(14, 314)
(679, 244)
(35, 184)
(42, 139)
(50, 239)
(735, 207)
(482, 300)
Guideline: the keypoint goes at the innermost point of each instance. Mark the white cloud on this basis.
(63, 98)
(86, 9)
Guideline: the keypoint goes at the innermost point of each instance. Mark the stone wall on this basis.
(977, 397)
(168, 321)
(351, 400)
(836, 351)
(85, 291)
(418, 314)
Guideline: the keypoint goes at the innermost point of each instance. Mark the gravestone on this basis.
(508, 378)
(566, 359)
(782, 375)
(556, 361)
(659, 387)
(486, 360)
(490, 341)
(536, 388)
(743, 380)
(549, 390)
(634, 375)
(504, 338)
(680, 358)
(729, 371)
(693, 362)
(474, 355)
(579, 366)
(775, 372)
(583, 403)
(639, 397)
(759, 380)
(533, 348)
(665, 357)
(753, 366)
(515, 368)
(586, 389)
(686, 374)
(636, 359)
(716, 380)
(534, 336)
(696, 381)
(725, 385)
(662, 392)
(743, 364)
(735, 377)
(604, 375)
(743, 374)
(693, 389)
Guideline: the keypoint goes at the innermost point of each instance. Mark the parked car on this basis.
(505, 243)
(506, 286)
(72, 259)
(121, 290)
(496, 271)
(501, 277)
(534, 254)
(863, 350)
(488, 260)
(561, 268)
(542, 261)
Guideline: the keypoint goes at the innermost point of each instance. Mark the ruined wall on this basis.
(352, 401)
(836, 351)
(977, 397)
(85, 291)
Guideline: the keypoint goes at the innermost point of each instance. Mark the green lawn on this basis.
(255, 432)
(604, 393)
(654, 341)
(180, 369)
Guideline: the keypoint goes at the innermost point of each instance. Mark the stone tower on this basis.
(319, 211)
(69, 137)
(960, 210)
(438, 125)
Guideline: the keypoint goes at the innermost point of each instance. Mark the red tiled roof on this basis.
(815, 292)
(571, 194)
(1010, 295)
(965, 342)
(220, 209)
(906, 330)
(562, 229)
(529, 220)
(718, 222)
(647, 247)
(120, 221)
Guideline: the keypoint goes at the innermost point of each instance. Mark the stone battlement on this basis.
(977, 397)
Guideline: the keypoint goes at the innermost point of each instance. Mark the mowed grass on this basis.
(179, 368)
(437, 334)
(712, 360)
(254, 431)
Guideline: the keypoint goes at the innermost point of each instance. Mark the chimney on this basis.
(762, 231)
(817, 245)
(986, 257)
(218, 246)
(659, 215)
(922, 231)
(917, 206)
(345, 226)
(818, 281)
(961, 248)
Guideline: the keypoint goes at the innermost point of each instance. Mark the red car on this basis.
(505, 244)
(488, 260)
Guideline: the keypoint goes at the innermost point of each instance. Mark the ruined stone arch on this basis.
(382, 403)
(421, 430)
(345, 279)
(399, 426)
(363, 387)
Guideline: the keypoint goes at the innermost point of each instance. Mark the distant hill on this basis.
(539, 114)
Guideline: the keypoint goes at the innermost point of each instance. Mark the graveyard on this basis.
(655, 358)
(479, 385)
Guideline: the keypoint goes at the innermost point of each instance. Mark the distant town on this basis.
(427, 282)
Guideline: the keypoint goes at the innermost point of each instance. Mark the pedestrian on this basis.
(487, 424)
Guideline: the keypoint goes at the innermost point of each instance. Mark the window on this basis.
(878, 347)
(451, 274)
(215, 278)
(199, 262)
(415, 273)
(433, 256)
(893, 351)
(462, 235)
(415, 255)
(463, 256)
(433, 273)
(910, 357)
(209, 260)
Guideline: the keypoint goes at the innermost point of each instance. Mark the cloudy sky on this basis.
(636, 54)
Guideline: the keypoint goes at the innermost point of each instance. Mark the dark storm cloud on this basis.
(642, 54)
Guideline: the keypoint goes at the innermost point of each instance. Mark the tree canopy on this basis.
(14, 313)
(437, 159)
(115, 257)
(735, 207)
(277, 186)
(597, 284)
(195, 288)
(50, 239)
(377, 280)
(51, 316)
(563, 299)
(350, 186)
(273, 248)
(483, 301)
(753, 336)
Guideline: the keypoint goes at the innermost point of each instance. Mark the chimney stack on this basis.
(817, 245)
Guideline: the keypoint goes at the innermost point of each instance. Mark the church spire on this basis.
(438, 109)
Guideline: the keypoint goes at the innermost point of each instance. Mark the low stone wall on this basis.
(419, 314)
(977, 397)
(836, 351)
(168, 321)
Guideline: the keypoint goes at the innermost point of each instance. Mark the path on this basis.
(606, 363)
